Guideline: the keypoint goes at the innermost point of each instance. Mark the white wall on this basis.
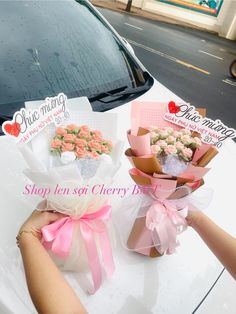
(227, 20)
(185, 15)
(224, 24)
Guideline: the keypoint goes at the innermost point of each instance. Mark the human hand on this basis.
(39, 219)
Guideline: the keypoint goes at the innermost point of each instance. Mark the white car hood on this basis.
(141, 285)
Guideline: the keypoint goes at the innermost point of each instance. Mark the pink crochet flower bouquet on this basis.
(70, 163)
(81, 144)
(168, 166)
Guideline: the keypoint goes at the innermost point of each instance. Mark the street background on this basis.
(192, 63)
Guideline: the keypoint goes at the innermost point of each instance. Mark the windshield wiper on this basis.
(117, 93)
(4, 118)
(111, 93)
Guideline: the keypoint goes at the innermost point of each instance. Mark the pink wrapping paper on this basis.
(149, 113)
(194, 173)
(200, 152)
(140, 143)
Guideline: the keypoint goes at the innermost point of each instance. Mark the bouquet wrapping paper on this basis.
(82, 239)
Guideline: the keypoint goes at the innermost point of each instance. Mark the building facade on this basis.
(214, 15)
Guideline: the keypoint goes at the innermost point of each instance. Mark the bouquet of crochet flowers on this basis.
(174, 149)
(168, 166)
(67, 162)
(81, 144)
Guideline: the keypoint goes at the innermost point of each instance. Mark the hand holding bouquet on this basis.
(77, 156)
(168, 165)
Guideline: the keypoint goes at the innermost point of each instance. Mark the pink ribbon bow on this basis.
(165, 222)
(58, 238)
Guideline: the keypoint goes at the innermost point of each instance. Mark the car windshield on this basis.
(48, 47)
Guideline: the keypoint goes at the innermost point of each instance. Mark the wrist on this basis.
(27, 236)
(194, 218)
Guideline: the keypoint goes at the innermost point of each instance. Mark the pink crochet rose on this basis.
(60, 131)
(153, 134)
(186, 139)
(179, 146)
(163, 134)
(80, 152)
(185, 132)
(94, 145)
(97, 135)
(84, 128)
(67, 147)
(161, 143)
(83, 133)
(72, 128)
(176, 134)
(69, 138)
(79, 142)
(187, 153)
(109, 145)
(197, 141)
(105, 149)
(170, 149)
(170, 139)
(155, 149)
(169, 130)
(56, 144)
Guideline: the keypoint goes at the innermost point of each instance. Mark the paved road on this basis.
(193, 64)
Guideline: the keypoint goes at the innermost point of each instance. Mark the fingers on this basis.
(54, 216)
(47, 216)
(42, 206)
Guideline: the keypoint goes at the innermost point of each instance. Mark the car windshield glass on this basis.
(48, 47)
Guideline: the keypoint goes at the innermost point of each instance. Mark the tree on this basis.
(128, 6)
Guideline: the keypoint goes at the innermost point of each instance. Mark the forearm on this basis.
(220, 242)
(50, 292)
